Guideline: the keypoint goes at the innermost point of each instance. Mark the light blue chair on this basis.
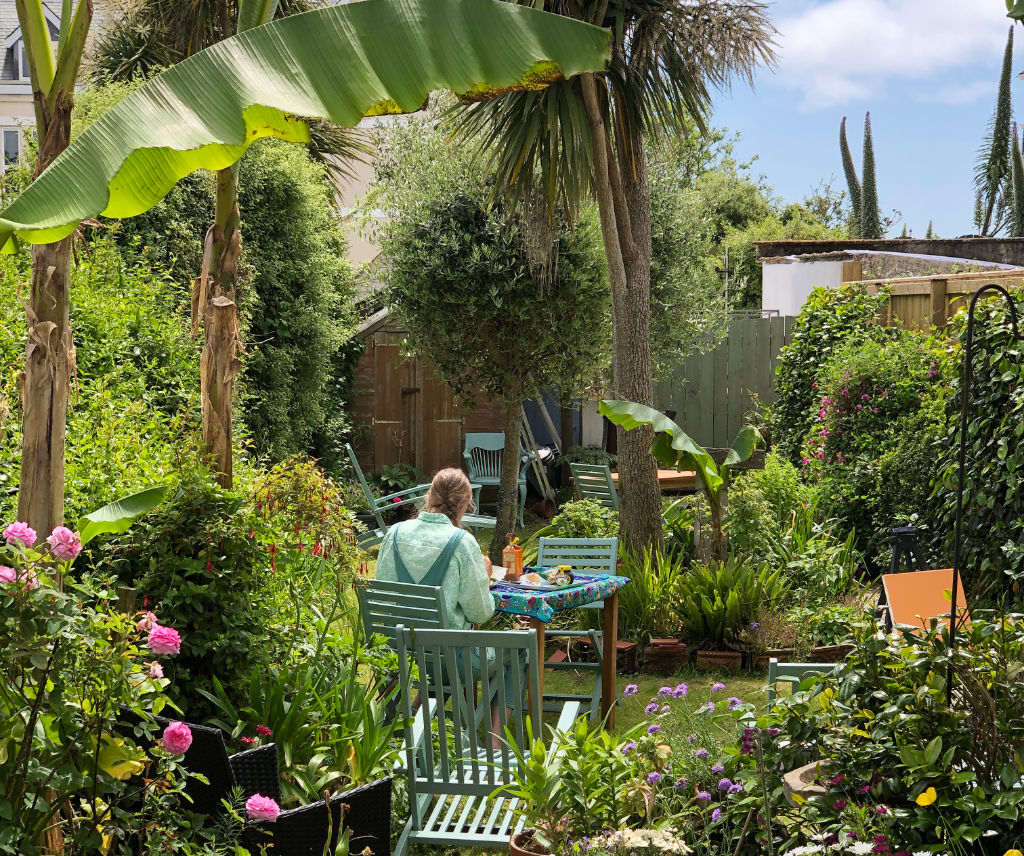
(595, 482)
(482, 455)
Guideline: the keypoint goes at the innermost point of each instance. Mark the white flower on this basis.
(803, 850)
(860, 847)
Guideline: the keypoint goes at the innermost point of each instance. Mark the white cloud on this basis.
(838, 50)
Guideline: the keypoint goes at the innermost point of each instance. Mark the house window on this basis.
(12, 146)
(24, 69)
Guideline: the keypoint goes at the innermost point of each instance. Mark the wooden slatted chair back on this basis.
(588, 555)
(595, 482)
(483, 456)
(457, 756)
(370, 500)
(384, 605)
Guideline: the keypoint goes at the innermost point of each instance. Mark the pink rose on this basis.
(147, 622)
(7, 575)
(20, 534)
(64, 544)
(177, 738)
(30, 579)
(260, 807)
(155, 670)
(164, 640)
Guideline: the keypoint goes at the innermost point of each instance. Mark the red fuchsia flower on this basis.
(7, 575)
(64, 544)
(176, 739)
(146, 623)
(164, 640)
(259, 807)
(20, 534)
(263, 731)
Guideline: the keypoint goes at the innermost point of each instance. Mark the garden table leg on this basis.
(540, 627)
(610, 620)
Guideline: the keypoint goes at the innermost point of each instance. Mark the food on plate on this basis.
(533, 579)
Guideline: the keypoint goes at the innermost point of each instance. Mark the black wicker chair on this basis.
(299, 831)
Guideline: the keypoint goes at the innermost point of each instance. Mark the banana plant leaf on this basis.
(340, 63)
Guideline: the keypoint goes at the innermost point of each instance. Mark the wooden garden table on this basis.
(670, 480)
(540, 606)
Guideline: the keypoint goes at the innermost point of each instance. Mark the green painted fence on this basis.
(711, 393)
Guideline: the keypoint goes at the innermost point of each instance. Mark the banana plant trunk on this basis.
(508, 490)
(219, 364)
(49, 358)
(624, 211)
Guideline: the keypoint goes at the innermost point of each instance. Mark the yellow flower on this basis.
(1013, 853)
(928, 797)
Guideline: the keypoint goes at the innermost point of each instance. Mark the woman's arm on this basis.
(474, 586)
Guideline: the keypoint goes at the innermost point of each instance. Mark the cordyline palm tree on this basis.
(50, 351)
(338, 63)
(586, 137)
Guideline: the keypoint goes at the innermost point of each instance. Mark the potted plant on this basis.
(771, 634)
(535, 784)
(825, 630)
(718, 601)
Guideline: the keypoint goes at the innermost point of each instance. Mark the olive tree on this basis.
(506, 302)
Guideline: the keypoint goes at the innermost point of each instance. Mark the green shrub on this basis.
(762, 505)
(874, 406)
(297, 309)
(993, 531)
(581, 518)
(716, 601)
(829, 319)
(135, 403)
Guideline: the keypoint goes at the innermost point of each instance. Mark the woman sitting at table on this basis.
(432, 550)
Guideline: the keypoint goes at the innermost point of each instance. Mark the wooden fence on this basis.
(711, 393)
(918, 303)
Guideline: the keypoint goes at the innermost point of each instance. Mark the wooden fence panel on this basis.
(710, 393)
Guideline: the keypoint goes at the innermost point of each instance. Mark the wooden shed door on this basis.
(438, 423)
(393, 439)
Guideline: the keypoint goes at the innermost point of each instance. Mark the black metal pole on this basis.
(964, 404)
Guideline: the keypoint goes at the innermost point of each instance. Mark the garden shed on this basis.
(403, 412)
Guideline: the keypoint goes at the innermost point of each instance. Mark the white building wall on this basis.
(785, 286)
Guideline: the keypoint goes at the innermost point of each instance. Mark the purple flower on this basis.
(724, 784)
(718, 685)
(691, 738)
(716, 815)
(653, 729)
(701, 753)
(631, 689)
(703, 795)
(629, 747)
(772, 731)
(680, 691)
(651, 708)
(734, 702)
(881, 809)
(735, 788)
(665, 691)
(707, 708)
(754, 627)
(653, 778)
(717, 768)
(681, 783)
(665, 708)
(839, 805)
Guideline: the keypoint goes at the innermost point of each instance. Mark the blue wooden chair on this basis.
(589, 556)
(410, 496)
(454, 770)
(482, 454)
(793, 674)
(384, 605)
(595, 482)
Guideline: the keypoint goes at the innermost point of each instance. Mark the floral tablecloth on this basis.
(544, 604)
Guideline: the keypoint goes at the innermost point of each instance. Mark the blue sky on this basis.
(926, 69)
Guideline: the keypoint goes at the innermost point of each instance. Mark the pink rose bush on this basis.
(64, 544)
(164, 640)
(7, 575)
(27, 577)
(147, 622)
(259, 807)
(20, 534)
(176, 739)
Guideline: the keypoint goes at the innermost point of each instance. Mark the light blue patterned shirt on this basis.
(420, 541)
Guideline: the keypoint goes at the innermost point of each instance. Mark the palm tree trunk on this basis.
(508, 490)
(640, 505)
(49, 357)
(219, 364)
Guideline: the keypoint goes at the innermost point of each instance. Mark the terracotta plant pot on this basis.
(783, 655)
(829, 653)
(522, 844)
(665, 656)
(719, 661)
